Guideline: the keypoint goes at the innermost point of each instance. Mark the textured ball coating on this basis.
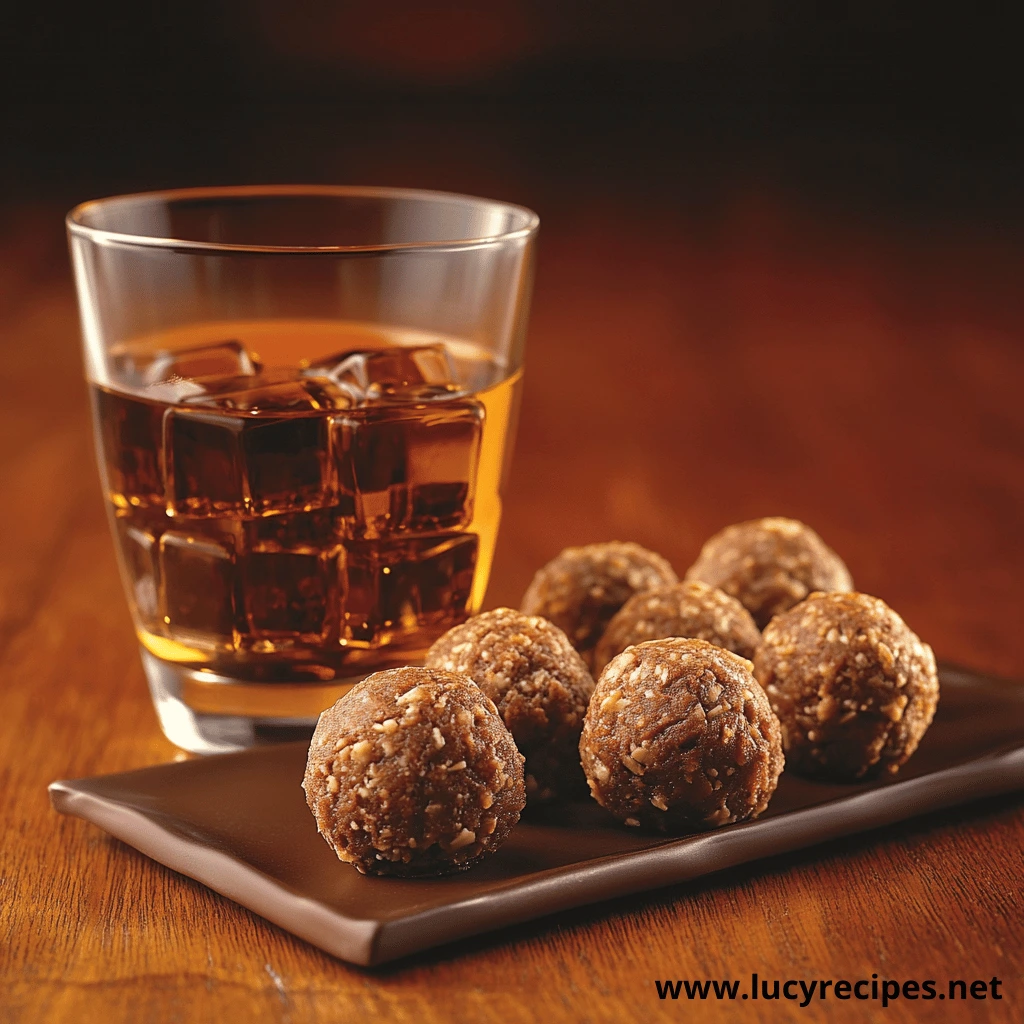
(540, 685)
(769, 565)
(680, 737)
(853, 686)
(413, 772)
(691, 609)
(582, 588)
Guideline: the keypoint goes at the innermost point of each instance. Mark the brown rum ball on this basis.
(690, 609)
(539, 684)
(679, 737)
(413, 772)
(853, 686)
(582, 588)
(769, 565)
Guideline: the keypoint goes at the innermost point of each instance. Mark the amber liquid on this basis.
(277, 524)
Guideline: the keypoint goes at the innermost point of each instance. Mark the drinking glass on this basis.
(304, 404)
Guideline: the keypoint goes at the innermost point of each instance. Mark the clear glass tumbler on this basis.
(304, 401)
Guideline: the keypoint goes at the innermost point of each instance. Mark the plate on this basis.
(239, 824)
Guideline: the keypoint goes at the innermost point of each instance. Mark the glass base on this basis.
(208, 713)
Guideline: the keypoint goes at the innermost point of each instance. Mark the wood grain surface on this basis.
(684, 371)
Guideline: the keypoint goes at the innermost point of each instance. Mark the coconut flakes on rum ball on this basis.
(412, 773)
(582, 588)
(539, 684)
(853, 686)
(679, 737)
(690, 609)
(769, 565)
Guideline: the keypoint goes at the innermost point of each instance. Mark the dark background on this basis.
(866, 105)
(780, 259)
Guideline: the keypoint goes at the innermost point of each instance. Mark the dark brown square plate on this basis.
(239, 824)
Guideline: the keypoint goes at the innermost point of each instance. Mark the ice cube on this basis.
(254, 451)
(173, 390)
(126, 368)
(197, 587)
(291, 596)
(292, 579)
(441, 576)
(270, 393)
(409, 469)
(138, 558)
(399, 587)
(130, 430)
(205, 463)
(307, 532)
(220, 359)
(399, 374)
(442, 453)
(371, 470)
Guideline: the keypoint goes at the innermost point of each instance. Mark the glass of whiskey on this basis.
(304, 404)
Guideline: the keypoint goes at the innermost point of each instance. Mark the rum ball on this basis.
(769, 565)
(679, 737)
(690, 609)
(582, 588)
(413, 773)
(853, 686)
(539, 684)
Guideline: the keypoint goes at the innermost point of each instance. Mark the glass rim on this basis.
(76, 226)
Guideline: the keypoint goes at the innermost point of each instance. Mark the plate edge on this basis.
(349, 939)
(987, 776)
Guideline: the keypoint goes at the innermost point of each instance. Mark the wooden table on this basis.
(685, 371)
